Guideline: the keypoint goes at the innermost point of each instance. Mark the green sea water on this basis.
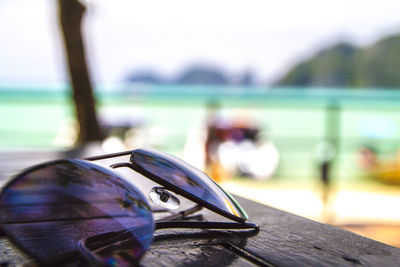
(296, 120)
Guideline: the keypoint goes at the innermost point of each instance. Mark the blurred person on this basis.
(387, 170)
(325, 153)
(367, 158)
(225, 148)
(202, 140)
(215, 134)
(234, 147)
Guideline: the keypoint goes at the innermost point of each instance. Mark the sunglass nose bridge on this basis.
(164, 198)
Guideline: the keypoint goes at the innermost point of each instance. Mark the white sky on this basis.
(122, 36)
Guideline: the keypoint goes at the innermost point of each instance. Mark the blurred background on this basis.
(294, 104)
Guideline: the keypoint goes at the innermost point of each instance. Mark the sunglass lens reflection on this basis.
(184, 176)
(48, 209)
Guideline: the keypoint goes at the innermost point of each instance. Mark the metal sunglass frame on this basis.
(176, 220)
(167, 221)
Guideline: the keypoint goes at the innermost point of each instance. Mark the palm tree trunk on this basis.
(70, 15)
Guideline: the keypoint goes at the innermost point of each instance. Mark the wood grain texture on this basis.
(192, 249)
(284, 239)
(289, 240)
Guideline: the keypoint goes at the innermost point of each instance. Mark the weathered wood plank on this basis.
(188, 249)
(12, 162)
(284, 239)
(289, 240)
(183, 249)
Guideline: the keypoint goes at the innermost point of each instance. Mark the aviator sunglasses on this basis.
(73, 208)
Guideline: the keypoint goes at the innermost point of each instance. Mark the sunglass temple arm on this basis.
(107, 156)
(206, 225)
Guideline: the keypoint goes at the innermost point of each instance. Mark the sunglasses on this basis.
(71, 209)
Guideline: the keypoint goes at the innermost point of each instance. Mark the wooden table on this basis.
(284, 239)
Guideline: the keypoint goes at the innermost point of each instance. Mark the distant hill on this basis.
(345, 65)
(204, 75)
(145, 76)
(194, 75)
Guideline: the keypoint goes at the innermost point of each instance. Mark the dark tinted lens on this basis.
(187, 178)
(48, 209)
